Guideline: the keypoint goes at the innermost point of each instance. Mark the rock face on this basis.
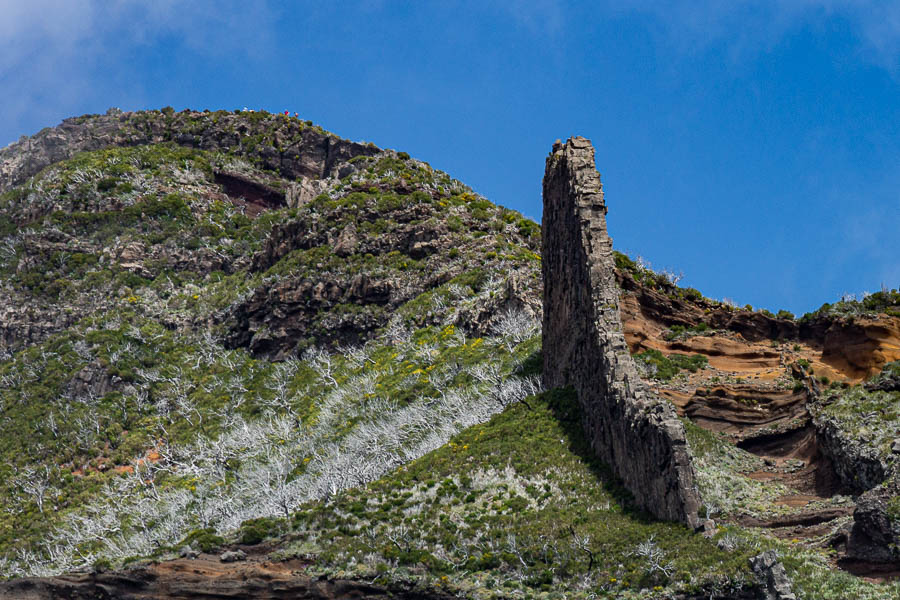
(636, 433)
(204, 578)
(875, 535)
(774, 578)
(859, 466)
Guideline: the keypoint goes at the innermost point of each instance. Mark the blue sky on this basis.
(753, 146)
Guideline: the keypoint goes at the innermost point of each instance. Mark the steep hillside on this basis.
(145, 288)
(235, 331)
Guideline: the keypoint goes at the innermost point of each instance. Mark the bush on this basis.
(106, 184)
(785, 314)
(676, 331)
(692, 294)
(203, 539)
(256, 530)
(669, 366)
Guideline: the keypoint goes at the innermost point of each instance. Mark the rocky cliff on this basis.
(584, 346)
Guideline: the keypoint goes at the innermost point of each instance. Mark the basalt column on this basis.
(631, 429)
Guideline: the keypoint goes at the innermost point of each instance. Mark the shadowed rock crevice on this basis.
(635, 432)
(253, 196)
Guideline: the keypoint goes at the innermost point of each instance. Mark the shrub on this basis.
(106, 184)
(669, 366)
(676, 331)
(204, 539)
(256, 530)
(692, 294)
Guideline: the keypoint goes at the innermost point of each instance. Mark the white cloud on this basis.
(747, 27)
(58, 55)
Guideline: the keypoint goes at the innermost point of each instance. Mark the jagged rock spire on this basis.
(631, 429)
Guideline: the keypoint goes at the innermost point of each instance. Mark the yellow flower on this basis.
(195, 296)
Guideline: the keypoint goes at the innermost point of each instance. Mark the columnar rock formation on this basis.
(632, 430)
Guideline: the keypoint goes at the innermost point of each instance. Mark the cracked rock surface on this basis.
(630, 428)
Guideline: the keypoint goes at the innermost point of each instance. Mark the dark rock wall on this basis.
(636, 433)
(875, 534)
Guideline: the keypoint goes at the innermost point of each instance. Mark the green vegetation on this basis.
(204, 540)
(869, 416)
(680, 331)
(885, 301)
(399, 436)
(665, 282)
(665, 368)
(721, 470)
(255, 531)
(516, 505)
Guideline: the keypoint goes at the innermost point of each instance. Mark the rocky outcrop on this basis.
(875, 535)
(846, 348)
(859, 466)
(296, 149)
(886, 381)
(776, 584)
(206, 578)
(635, 432)
(23, 322)
(858, 347)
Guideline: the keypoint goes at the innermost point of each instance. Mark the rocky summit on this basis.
(243, 357)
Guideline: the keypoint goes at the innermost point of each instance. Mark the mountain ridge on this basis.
(314, 337)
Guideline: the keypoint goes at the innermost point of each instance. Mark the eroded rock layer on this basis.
(635, 432)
